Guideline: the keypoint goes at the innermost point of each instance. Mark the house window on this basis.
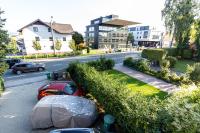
(37, 38)
(64, 39)
(35, 29)
(49, 29)
(50, 38)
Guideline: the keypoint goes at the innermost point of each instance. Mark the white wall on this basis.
(152, 31)
(29, 35)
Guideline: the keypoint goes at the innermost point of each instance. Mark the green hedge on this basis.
(154, 54)
(134, 112)
(102, 64)
(59, 55)
(187, 54)
(171, 51)
(2, 88)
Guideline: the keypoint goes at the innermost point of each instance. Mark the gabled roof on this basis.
(60, 28)
(120, 22)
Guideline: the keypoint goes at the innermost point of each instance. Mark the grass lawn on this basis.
(137, 86)
(94, 52)
(181, 65)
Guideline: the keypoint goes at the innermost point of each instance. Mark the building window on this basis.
(35, 29)
(155, 37)
(145, 34)
(37, 38)
(137, 32)
(50, 38)
(64, 39)
(91, 28)
(49, 29)
(137, 37)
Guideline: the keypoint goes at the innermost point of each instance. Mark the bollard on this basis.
(108, 121)
(48, 75)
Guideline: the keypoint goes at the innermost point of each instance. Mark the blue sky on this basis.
(78, 13)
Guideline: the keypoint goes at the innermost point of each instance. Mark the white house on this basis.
(41, 31)
(145, 35)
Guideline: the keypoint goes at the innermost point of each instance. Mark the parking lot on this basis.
(16, 105)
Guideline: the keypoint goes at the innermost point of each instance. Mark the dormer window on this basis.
(49, 29)
(35, 29)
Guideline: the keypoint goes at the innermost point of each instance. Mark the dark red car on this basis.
(60, 88)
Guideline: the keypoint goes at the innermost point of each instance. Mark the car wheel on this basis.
(19, 72)
(40, 69)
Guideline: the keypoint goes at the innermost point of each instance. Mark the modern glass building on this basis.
(107, 32)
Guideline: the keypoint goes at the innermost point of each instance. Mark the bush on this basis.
(181, 113)
(187, 54)
(142, 65)
(2, 88)
(136, 113)
(194, 72)
(133, 114)
(154, 54)
(172, 61)
(102, 64)
(171, 51)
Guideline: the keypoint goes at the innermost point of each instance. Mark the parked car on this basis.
(11, 62)
(75, 130)
(60, 88)
(63, 111)
(27, 67)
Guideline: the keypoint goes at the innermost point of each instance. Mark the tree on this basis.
(78, 38)
(197, 36)
(12, 46)
(58, 45)
(4, 40)
(72, 45)
(36, 46)
(130, 38)
(178, 16)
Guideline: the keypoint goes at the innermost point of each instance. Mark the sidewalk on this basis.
(160, 84)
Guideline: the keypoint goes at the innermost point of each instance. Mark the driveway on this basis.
(16, 105)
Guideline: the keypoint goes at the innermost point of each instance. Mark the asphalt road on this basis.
(59, 64)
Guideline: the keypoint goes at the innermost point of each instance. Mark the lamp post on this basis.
(51, 23)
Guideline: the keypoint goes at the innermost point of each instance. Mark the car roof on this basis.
(23, 63)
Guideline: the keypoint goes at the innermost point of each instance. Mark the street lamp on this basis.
(51, 23)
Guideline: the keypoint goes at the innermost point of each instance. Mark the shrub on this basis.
(181, 113)
(172, 61)
(154, 54)
(187, 54)
(133, 113)
(165, 64)
(171, 51)
(128, 62)
(194, 72)
(102, 64)
(2, 88)
(136, 113)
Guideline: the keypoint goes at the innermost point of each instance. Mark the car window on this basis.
(70, 88)
(29, 65)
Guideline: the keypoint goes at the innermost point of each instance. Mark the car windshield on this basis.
(70, 88)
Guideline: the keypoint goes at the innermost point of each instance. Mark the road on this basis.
(59, 64)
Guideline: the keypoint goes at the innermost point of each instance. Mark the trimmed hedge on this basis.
(187, 54)
(102, 64)
(34, 56)
(154, 54)
(134, 112)
(2, 88)
(171, 51)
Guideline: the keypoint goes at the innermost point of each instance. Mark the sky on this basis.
(78, 13)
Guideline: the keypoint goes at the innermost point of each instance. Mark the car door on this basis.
(30, 67)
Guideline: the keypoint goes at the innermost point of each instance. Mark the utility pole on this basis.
(51, 23)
